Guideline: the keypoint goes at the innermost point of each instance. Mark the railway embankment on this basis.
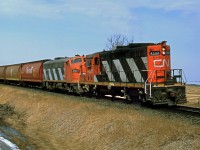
(47, 120)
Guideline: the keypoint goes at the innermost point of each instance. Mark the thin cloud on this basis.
(59, 7)
(185, 6)
(112, 14)
(29, 8)
(104, 8)
(115, 14)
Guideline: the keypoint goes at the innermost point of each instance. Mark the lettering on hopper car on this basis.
(29, 70)
(159, 63)
(11, 72)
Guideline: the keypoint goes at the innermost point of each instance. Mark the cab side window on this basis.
(88, 63)
(96, 61)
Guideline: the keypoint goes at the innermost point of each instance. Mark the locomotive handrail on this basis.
(149, 80)
(184, 77)
(180, 75)
(169, 77)
(150, 83)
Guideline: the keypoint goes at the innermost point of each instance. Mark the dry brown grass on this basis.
(193, 96)
(56, 121)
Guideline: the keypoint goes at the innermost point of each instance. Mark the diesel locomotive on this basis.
(138, 72)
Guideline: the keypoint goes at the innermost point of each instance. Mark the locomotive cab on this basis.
(92, 67)
(74, 68)
(163, 85)
(158, 63)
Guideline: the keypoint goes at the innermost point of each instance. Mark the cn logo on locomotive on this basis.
(159, 63)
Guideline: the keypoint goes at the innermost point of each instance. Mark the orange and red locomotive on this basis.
(138, 71)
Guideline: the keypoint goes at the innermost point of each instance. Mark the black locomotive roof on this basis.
(136, 49)
(135, 45)
(130, 47)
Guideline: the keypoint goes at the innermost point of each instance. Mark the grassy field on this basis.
(193, 96)
(55, 121)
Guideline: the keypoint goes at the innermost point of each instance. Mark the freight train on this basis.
(138, 72)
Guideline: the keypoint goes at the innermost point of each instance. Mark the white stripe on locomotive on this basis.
(54, 73)
(136, 72)
(45, 74)
(120, 70)
(60, 74)
(50, 76)
(108, 71)
(144, 59)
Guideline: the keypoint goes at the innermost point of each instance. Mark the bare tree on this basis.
(117, 40)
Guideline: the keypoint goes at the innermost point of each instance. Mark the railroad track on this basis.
(177, 109)
(187, 109)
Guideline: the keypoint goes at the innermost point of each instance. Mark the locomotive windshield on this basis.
(77, 60)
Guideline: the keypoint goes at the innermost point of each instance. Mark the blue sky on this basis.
(39, 29)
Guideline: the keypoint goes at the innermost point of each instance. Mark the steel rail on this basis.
(188, 109)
